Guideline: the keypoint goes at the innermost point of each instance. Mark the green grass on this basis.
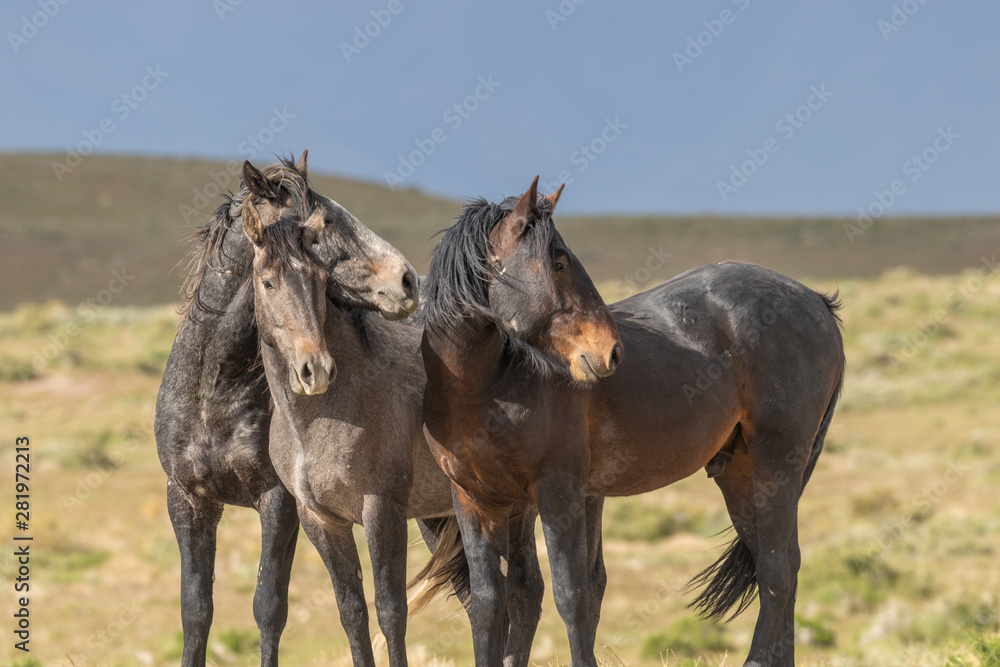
(69, 562)
(239, 643)
(26, 662)
(987, 649)
(815, 631)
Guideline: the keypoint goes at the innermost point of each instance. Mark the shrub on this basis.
(814, 632)
(687, 638)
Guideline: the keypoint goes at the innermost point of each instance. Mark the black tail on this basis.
(834, 304)
(731, 581)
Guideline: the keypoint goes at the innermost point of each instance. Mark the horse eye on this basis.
(558, 265)
(267, 284)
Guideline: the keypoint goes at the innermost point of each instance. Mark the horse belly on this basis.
(646, 443)
(430, 494)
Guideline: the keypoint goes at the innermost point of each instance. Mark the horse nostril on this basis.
(409, 283)
(617, 354)
(306, 373)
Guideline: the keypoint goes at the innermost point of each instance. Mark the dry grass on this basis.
(899, 553)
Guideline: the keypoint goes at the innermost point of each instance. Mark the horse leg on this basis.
(595, 563)
(335, 543)
(195, 521)
(279, 525)
(485, 539)
(732, 580)
(525, 588)
(385, 529)
(777, 486)
(561, 504)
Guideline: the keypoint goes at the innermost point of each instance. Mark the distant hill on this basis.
(64, 239)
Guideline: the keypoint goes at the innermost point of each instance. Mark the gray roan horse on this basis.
(212, 411)
(352, 450)
(729, 367)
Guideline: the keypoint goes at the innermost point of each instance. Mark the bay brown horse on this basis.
(539, 394)
(212, 410)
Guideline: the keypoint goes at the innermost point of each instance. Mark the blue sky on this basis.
(645, 107)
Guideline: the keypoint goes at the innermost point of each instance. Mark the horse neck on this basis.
(344, 341)
(224, 331)
(370, 346)
(463, 363)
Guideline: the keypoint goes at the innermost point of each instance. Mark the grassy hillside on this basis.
(64, 239)
(900, 525)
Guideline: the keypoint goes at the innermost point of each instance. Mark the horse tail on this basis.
(731, 581)
(447, 564)
(833, 304)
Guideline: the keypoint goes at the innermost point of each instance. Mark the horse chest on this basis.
(233, 469)
(483, 466)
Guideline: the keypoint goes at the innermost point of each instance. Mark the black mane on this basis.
(455, 289)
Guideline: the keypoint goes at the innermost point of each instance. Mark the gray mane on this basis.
(209, 253)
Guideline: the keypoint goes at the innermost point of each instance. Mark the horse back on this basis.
(715, 347)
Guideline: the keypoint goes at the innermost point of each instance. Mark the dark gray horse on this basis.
(212, 411)
(352, 450)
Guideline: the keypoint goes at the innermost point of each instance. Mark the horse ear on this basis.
(257, 181)
(251, 224)
(301, 165)
(504, 237)
(525, 208)
(314, 226)
(553, 198)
